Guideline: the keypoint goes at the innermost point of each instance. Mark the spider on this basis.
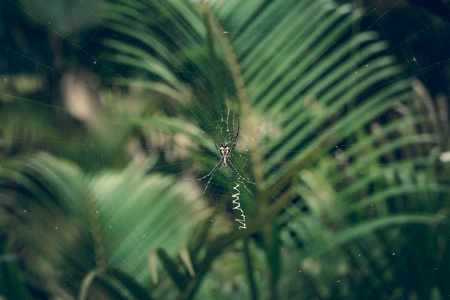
(225, 154)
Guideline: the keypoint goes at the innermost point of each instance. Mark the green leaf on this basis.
(311, 90)
(12, 285)
(117, 214)
(172, 268)
(130, 284)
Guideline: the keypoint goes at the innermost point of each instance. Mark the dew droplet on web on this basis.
(96, 212)
(56, 227)
(110, 226)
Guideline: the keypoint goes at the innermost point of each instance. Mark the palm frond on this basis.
(330, 98)
(63, 220)
(345, 164)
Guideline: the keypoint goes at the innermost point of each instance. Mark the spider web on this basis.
(53, 67)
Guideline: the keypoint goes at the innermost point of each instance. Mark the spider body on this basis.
(225, 152)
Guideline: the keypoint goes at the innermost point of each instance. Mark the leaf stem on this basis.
(242, 94)
(97, 240)
(249, 265)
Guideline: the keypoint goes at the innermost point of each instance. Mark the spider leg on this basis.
(210, 174)
(235, 139)
(235, 171)
(239, 176)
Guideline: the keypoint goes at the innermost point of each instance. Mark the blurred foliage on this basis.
(351, 200)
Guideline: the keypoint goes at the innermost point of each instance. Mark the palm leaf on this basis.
(305, 70)
(66, 221)
(338, 163)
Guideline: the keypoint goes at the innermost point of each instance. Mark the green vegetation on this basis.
(351, 200)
